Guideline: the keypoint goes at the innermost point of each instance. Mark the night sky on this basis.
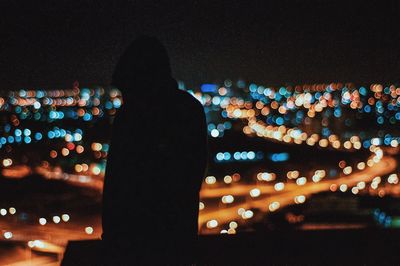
(53, 43)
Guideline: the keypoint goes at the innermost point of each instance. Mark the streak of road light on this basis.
(385, 166)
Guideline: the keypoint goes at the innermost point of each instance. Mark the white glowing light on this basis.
(65, 217)
(42, 221)
(8, 235)
(89, 230)
(255, 192)
(279, 186)
(274, 206)
(56, 219)
(212, 224)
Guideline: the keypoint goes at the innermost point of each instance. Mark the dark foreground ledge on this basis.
(344, 247)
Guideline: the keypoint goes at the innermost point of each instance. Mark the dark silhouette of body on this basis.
(156, 163)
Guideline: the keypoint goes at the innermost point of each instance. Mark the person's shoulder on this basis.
(188, 101)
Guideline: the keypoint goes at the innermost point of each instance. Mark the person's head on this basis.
(144, 63)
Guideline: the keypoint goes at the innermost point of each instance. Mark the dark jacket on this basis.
(156, 163)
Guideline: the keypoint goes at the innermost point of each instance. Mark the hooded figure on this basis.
(156, 163)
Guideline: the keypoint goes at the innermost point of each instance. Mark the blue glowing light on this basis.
(53, 114)
(251, 155)
(18, 132)
(10, 139)
(38, 136)
(219, 156)
(27, 132)
(87, 117)
(227, 156)
(279, 121)
(7, 128)
(209, 87)
(363, 91)
(108, 105)
(117, 103)
(51, 134)
(253, 87)
(279, 157)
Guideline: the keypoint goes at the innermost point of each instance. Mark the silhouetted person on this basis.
(156, 163)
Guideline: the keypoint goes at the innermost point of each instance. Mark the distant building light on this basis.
(209, 88)
(279, 157)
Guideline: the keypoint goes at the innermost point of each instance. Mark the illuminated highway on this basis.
(286, 197)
